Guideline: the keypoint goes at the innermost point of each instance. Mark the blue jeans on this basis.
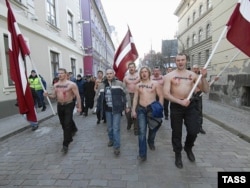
(142, 124)
(41, 97)
(113, 123)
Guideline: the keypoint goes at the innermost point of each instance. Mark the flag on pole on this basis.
(125, 54)
(17, 52)
(239, 27)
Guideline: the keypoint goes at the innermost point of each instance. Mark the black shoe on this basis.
(151, 147)
(128, 126)
(64, 149)
(34, 128)
(190, 154)
(141, 158)
(178, 161)
(110, 144)
(98, 122)
(202, 131)
(166, 118)
(43, 109)
(117, 152)
(104, 121)
(136, 133)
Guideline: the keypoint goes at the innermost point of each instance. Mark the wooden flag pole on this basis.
(38, 76)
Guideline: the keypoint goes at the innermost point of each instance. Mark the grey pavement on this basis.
(33, 158)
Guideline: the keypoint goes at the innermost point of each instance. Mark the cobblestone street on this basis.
(33, 159)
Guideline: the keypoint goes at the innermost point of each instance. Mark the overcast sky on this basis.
(150, 21)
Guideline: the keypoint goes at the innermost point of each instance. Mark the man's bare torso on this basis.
(181, 83)
(146, 92)
(158, 79)
(130, 81)
(63, 91)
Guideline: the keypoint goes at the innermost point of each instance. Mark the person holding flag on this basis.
(176, 88)
(125, 54)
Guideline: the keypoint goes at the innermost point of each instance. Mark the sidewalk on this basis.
(14, 124)
(230, 118)
(235, 120)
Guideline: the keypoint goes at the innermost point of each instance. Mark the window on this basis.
(54, 63)
(6, 47)
(200, 35)
(200, 10)
(73, 65)
(207, 54)
(188, 22)
(70, 25)
(199, 58)
(194, 39)
(192, 61)
(209, 4)
(208, 30)
(51, 12)
(188, 42)
(194, 16)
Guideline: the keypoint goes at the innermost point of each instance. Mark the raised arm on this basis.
(203, 84)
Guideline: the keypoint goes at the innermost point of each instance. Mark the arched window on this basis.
(200, 35)
(201, 10)
(209, 4)
(194, 39)
(208, 30)
(188, 21)
(194, 14)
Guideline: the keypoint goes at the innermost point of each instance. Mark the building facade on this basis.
(201, 25)
(53, 35)
(97, 42)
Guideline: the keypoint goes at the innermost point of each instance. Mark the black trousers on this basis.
(131, 120)
(65, 114)
(190, 117)
(166, 104)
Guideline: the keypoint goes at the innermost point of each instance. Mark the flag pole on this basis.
(229, 63)
(209, 59)
(38, 76)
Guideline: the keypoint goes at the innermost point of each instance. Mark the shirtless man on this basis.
(65, 92)
(157, 76)
(145, 93)
(130, 80)
(98, 81)
(177, 87)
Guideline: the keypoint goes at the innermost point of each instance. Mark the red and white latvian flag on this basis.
(239, 27)
(17, 52)
(125, 54)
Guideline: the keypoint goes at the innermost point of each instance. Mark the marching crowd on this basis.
(146, 97)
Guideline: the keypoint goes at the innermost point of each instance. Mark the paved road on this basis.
(33, 159)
